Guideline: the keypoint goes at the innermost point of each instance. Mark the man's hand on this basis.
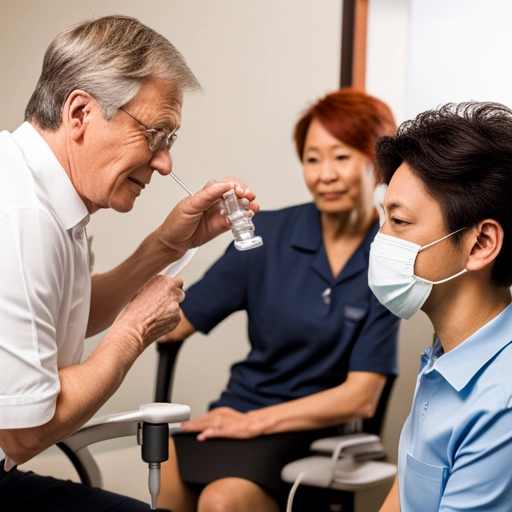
(197, 219)
(224, 422)
(193, 221)
(153, 312)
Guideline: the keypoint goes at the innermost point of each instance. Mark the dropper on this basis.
(181, 184)
(175, 268)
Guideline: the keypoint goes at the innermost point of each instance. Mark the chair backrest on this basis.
(167, 354)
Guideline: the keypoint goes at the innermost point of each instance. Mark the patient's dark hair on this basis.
(462, 153)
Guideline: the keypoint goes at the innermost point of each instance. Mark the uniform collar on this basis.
(462, 363)
(307, 231)
(359, 261)
(66, 203)
(307, 236)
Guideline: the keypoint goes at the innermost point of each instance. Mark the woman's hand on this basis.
(225, 422)
(197, 219)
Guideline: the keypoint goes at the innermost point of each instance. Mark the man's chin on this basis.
(123, 208)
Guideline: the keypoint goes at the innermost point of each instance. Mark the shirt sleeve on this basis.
(376, 348)
(31, 269)
(221, 291)
(480, 479)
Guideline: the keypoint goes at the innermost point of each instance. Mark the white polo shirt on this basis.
(45, 284)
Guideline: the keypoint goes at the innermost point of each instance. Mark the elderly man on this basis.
(101, 120)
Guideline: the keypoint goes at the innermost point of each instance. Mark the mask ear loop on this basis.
(448, 278)
(444, 280)
(440, 240)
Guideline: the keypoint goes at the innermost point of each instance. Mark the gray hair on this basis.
(109, 58)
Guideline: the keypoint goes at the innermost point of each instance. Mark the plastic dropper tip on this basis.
(181, 184)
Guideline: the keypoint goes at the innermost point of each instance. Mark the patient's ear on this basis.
(77, 112)
(487, 244)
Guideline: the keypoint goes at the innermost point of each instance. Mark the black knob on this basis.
(155, 442)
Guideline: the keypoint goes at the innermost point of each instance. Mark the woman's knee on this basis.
(235, 495)
(216, 498)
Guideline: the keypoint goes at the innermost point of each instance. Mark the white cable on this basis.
(336, 454)
(291, 494)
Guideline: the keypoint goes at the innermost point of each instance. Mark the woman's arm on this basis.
(357, 397)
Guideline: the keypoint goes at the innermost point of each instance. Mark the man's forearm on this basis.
(84, 389)
(111, 291)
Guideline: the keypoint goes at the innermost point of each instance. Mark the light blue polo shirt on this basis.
(455, 450)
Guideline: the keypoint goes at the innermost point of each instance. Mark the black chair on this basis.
(364, 453)
(167, 354)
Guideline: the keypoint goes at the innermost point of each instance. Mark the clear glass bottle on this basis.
(241, 223)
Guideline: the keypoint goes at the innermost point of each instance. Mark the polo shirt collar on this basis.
(64, 199)
(460, 365)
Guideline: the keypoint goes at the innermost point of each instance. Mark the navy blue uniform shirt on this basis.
(307, 329)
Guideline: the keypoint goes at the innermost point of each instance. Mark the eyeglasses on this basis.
(158, 140)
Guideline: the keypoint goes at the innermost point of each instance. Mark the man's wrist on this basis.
(129, 339)
(171, 251)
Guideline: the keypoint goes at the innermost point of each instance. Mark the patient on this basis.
(446, 247)
(322, 345)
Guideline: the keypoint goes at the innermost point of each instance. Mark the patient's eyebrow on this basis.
(391, 206)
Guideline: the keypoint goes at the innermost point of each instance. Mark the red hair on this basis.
(352, 117)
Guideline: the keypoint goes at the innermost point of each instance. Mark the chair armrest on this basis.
(360, 446)
(114, 426)
(346, 469)
(351, 475)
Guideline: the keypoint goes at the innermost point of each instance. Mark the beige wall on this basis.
(259, 63)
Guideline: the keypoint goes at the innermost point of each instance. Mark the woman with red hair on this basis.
(322, 345)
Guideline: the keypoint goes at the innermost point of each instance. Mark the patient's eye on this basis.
(398, 222)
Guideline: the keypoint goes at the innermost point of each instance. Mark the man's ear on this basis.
(76, 113)
(486, 244)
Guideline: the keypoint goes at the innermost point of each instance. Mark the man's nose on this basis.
(162, 162)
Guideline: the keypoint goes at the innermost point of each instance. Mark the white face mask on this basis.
(391, 274)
